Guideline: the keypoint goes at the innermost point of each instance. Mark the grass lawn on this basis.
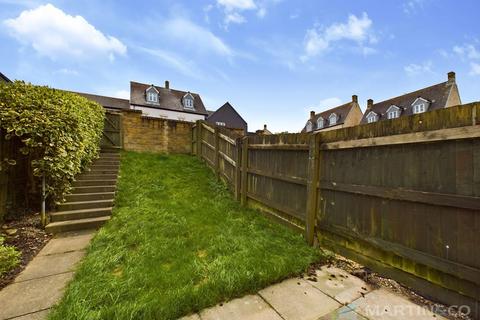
(178, 243)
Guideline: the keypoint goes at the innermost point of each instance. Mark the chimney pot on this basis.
(451, 76)
(264, 127)
(355, 98)
(312, 114)
(369, 103)
(167, 84)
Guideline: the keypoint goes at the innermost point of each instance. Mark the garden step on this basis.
(111, 149)
(94, 183)
(94, 170)
(101, 177)
(110, 155)
(101, 166)
(78, 205)
(94, 189)
(79, 224)
(113, 162)
(75, 197)
(80, 214)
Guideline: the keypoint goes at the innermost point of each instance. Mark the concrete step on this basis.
(80, 214)
(94, 189)
(94, 183)
(79, 224)
(78, 205)
(101, 166)
(96, 171)
(75, 197)
(98, 177)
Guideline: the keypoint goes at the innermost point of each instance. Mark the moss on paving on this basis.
(177, 243)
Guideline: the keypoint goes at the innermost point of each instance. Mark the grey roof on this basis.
(169, 99)
(437, 95)
(228, 115)
(341, 111)
(107, 102)
(4, 78)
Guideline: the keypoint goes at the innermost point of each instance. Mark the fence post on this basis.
(243, 198)
(238, 170)
(199, 139)
(217, 153)
(313, 178)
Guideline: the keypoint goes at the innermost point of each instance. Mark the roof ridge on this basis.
(413, 92)
(337, 107)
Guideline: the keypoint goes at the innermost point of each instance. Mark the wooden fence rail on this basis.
(400, 196)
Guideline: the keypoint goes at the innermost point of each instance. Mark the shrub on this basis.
(9, 257)
(60, 132)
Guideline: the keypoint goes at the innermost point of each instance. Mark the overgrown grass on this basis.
(178, 243)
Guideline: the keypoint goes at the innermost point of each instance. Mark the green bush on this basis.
(60, 131)
(9, 257)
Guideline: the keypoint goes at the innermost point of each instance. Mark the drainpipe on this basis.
(43, 215)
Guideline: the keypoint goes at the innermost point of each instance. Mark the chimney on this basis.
(355, 98)
(369, 103)
(451, 77)
(312, 114)
(264, 127)
(167, 84)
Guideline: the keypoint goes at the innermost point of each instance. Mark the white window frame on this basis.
(333, 122)
(221, 124)
(419, 108)
(320, 123)
(372, 117)
(309, 126)
(393, 114)
(152, 96)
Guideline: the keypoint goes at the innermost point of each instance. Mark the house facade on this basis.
(346, 115)
(227, 116)
(166, 103)
(442, 95)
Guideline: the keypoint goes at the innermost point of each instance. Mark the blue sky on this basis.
(274, 60)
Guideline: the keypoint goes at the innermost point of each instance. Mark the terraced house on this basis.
(166, 103)
(438, 96)
(346, 115)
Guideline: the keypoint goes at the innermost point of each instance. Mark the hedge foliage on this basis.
(60, 131)
(9, 257)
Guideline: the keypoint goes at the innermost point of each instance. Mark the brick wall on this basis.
(141, 133)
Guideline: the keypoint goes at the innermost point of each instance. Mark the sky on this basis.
(273, 60)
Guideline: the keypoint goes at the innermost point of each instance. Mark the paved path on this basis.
(334, 295)
(41, 284)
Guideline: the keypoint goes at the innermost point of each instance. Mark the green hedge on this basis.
(60, 131)
(9, 257)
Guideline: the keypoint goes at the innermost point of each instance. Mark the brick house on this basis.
(442, 95)
(166, 103)
(346, 115)
(227, 116)
(3, 78)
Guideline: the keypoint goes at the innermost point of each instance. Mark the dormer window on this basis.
(372, 117)
(320, 123)
(309, 126)
(152, 94)
(420, 105)
(332, 119)
(188, 101)
(393, 112)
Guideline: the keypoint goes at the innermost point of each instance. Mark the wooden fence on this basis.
(400, 196)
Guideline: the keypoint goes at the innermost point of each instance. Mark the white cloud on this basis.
(416, 69)
(53, 33)
(356, 29)
(329, 102)
(234, 17)
(195, 36)
(475, 69)
(231, 5)
(67, 72)
(233, 8)
(412, 6)
(174, 61)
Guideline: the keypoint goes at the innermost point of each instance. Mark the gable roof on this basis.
(4, 78)
(107, 102)
(437, 95)
(341, 111)
(168, 99)
(229, 116)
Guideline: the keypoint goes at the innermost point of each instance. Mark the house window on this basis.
(419, 108)
(152, 97)
(333, 119)
(188, 103)
(222, 124)
(393, 114)
(372, 117)
(320, 123)
(309, 126)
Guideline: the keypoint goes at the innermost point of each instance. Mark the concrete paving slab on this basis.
(339, 284)
(194, 316)
(250, 307)
(40, 315)
(42, 266)
(31, 296)
(344, 313)
(296, 299)
(71, 241)
(384, 305)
